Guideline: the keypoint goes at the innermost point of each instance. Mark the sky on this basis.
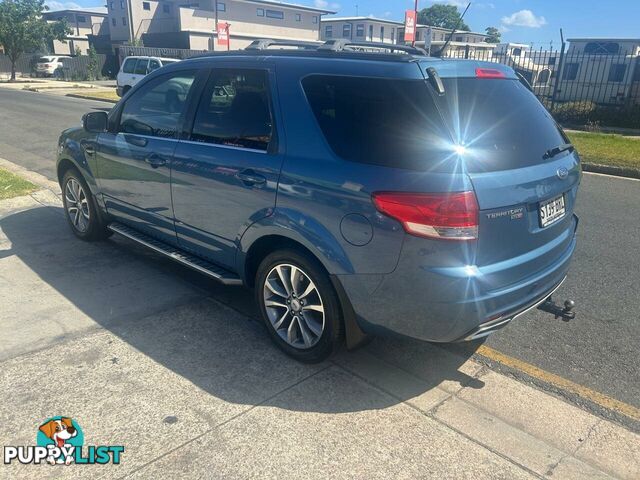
(526, 21)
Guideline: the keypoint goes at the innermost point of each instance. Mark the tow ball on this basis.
(566, 313)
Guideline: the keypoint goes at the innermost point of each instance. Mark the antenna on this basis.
(441, 52)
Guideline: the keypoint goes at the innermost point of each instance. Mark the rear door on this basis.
(225, 171)
(526, 191)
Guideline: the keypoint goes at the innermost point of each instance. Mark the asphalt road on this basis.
(599, 349)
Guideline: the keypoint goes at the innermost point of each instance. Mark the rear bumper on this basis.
(448, 304)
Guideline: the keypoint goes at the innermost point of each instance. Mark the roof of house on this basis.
(599, 39)
(86, 10)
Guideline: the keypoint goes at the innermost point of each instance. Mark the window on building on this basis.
(418, 35)
(570, 71)
(111, 6)
(315, 19)
(234, 110)
(393, 35)
(360, 30)
(617, 71)
(146, 6)
(379, 121)
(516, 52)
(166, 8)
(382, 33)
(155, 110)
(371, 32)
(346, 30)
(602, 48)
(298, 17)
(260, 12)
(222, 7)
(113, 21)
(328, 31)
(275, 14)
(552, 61)
(81, 18)
(121, 4)
(124, 21)
(459, 38)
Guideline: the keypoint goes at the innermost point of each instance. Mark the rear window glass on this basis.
(387, 122)
(501, 124)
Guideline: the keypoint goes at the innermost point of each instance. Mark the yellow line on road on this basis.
(562, 383)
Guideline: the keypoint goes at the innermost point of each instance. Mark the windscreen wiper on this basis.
(552, 152)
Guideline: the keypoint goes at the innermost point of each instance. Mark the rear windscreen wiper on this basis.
(552, 152)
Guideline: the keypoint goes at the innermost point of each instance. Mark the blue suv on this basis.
(358, 191)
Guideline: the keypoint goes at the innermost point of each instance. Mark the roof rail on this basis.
(265, 43)
(342, 44)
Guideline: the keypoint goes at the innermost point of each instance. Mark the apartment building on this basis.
(363, 29)
(462, 42)
(85, 22)
(180, 24)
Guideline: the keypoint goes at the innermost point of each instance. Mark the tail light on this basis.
(450, 216)
(489, 73)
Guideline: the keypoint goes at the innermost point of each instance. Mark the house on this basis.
(180, 24)
(362, 29)
(463, 43)
(85, 23)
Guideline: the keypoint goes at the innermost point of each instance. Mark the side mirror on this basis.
(95, 122)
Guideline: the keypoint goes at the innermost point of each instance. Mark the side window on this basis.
(141, 66)
(129, 65)
(234, 110)
(153, 65)
(156, 108)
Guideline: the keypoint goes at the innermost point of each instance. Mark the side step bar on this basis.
(218, 273)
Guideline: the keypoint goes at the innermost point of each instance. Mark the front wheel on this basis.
(81, 211)
(299, 306)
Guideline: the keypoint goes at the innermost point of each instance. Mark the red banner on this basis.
(409, 25)
(223, 34)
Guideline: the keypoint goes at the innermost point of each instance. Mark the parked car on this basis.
(358, 193)
(134, 69)
(47, 66)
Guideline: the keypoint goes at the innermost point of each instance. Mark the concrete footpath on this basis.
(114, 337)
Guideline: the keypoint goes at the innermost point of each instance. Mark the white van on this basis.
(133, 69)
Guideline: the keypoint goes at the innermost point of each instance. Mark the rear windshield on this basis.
(400, 123)
(500, 123)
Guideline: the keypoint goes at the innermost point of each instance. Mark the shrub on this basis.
(596, 116)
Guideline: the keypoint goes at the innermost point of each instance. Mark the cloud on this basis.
(326, 4)
(524, 18)
(55, 5)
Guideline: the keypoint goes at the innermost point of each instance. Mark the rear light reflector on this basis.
(489, 73)
(448, 216)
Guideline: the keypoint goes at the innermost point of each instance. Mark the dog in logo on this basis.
(60, 431)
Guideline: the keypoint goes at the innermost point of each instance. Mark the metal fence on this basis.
(597, 89)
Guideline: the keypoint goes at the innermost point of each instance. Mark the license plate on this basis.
(551, 211)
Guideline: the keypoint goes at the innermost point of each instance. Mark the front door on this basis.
(225, 173)
(134, 157)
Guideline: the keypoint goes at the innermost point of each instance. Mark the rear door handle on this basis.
(155, 160)
(249, 177)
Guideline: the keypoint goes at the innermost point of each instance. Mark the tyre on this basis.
(299, 306)
(80, 208)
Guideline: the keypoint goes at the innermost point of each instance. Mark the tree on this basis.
(445, 16)
(493, 35)
(92, 65)
(23, 29)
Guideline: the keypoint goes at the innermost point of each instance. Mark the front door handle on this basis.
(155, 160)
(137, 141)
(249, 177)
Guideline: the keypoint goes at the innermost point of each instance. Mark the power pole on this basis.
(415, 32)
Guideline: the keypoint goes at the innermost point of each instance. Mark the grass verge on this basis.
(607, 149)
(12, 185)
(109, 95)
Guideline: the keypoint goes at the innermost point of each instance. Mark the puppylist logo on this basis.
(60, 441)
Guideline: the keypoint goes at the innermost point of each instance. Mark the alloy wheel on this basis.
(294, 306)
(77, 205)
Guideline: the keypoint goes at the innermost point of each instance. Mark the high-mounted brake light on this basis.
(449, 216)
(489, 73)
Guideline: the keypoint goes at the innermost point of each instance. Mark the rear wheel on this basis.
(81, 211)
(299, 306)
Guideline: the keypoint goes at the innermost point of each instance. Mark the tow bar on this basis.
(566, 313)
